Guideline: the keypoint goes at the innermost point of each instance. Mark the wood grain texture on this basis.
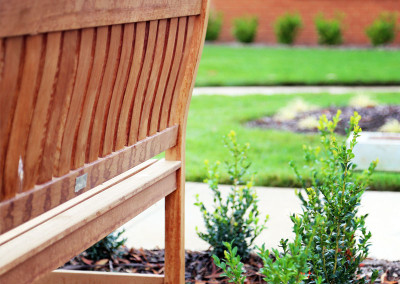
(103, 103)
(166, 68)
(175, 202)
(119, 88)
(37, 132)
(83, 73)
(127, 105)
(12, 234)
(84, 224)
(13, 63)
(24, 207)
(166, 105)
(59, 106)
(158, 60)
(93, 91)
(97, 277)
(143, 82)
(19, 17)
(15, 157)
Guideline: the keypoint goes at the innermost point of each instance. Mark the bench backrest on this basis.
(88, 90)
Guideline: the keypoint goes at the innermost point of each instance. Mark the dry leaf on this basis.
(384, 279)
(86, 261)
(103, 261)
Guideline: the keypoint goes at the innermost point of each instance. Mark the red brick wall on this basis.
(358, 15)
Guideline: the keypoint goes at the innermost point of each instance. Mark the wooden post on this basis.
(175, 202)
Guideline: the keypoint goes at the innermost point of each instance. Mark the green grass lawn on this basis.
(212, 117)
(251, 66)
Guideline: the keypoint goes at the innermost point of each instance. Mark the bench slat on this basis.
(20, 209)
(82, 225)
(97, 277)
(19, 18)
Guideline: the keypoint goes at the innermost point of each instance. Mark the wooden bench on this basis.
(90, 91)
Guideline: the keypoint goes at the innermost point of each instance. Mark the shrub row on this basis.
(381, 31)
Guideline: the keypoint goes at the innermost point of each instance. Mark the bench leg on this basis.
(174, 233)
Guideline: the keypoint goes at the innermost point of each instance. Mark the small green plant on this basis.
(340, 242)
(383, 29)
(329, 31)
(109, 247)
(236, 217)
(232, 266)
(245, 29)
(214, 26)
(287, 27)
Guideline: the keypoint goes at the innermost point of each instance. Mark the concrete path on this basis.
(147, 229)
(336, 90)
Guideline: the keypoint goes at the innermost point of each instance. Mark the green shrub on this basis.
(109, 247)
(214, 26)
(245, 29)
(383, 29)
(287, 27)
(329, 31)
(235, 217)
(339, 238)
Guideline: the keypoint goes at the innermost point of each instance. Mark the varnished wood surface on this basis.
(30, 204)
(80, 95)
(97, 277)
(84, 224)
(175, 202)
(20, 17)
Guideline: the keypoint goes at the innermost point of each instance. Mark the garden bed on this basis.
(200, 268)
(372, 118)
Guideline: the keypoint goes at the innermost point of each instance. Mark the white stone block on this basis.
(378, 145)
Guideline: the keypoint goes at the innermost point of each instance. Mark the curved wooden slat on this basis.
(177, 91)
(166, 69)
(103, 103)
(119, 88)
(165, 109)
(143, 82)
(59, 106)
(83, 73)
(37, 132)
(15, 156)
(153, 80)
(127, 105)
(13, 63)
(89, 105)
(19, 17)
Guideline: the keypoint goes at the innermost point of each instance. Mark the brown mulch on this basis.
(200, 267)
(372, 118)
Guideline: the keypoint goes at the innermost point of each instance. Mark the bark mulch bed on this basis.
(372, 118)
(200, 267)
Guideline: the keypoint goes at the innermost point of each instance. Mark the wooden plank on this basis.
(20, 17)
(13, 63)
(77, 228)
(166, 69)
(103, 104)
(20, 209)
(31, 76)
(97, 277)
(129, 97)
(119, 88)
(37, 132)
(159, 55)
(89, 105)
(60, 104)
(173, 74)
(69, 204)
(177, 96)
(175, 202)
(143, 82)
(83, 74)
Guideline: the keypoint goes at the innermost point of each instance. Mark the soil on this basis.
(372, 118)
(200, 267)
